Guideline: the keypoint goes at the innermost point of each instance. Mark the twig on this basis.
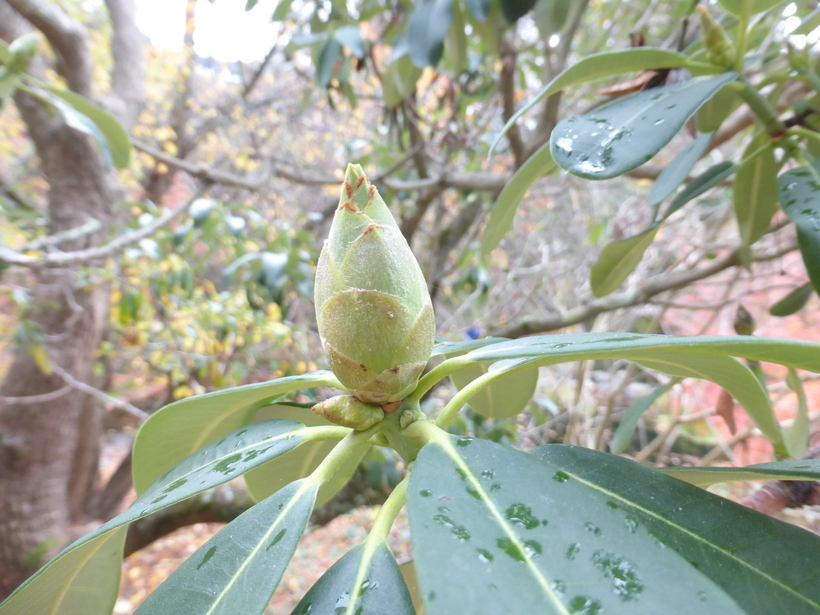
(64, 259)
(104, 397)
(36, 399)
(92, 226)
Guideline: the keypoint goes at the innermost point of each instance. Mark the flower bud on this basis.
(348, 411)
(719, 46)
(374, 312)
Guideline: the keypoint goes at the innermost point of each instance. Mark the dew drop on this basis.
(584, 605)
(560, 476)
(464, 441)
(558, 586)
(573, 550)
(521, 515)
(208, 555)
(425, 493)
(591, 527)
(626, 583)
(484, 556)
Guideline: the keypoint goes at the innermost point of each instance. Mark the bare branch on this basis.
(104, 397)
(36, 399)
(66, 36)
(64, 259)
(641, 294)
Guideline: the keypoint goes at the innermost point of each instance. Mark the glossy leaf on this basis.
(793, 469)
(800, 198)
(752, 7)
(399, 81)
(325, 63)
(366, 580)
(457, 41)
(480, 9)
(350, 37)
(214, 465)
(715, 110)
(302, 460)
(709, 178)
(524, 539)
(623, 134)
(550, 16)
(792, 302)
(237, 571)
(762, 563)
(84, 580)
(427, 29)
(270, 477)
(796, 435)
(678, 169)
(629, 422)
(755, 192)
(411, 580)
(601, 65)
(115, 137)
(514, 10)
(452, 349)
(578, 346)
(183, 427)
(506, 205)
(502, 398)
(617, 260)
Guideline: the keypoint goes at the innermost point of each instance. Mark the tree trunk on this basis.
(49, 448)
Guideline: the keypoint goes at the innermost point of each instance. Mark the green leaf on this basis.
(237, 571)
(678, 169)
(762, 563)
(623, 434)
(701, 357)
(84, 580)
(115, 139)
(800, 198)
(703, 182)
(8, 83)
(179, 429)
(792, 302)
(399, 81)
(6, 54)
(249, 4)
(617, 260)
(752, 7)
(326, 61)
(301, 461)
(550, 16)
(350, 37)
(480, 9)
(281, 11)
(365, 580)
(796, 436)
(755, 191)
(451, 349)
(514, 10)
(623, 134)
(793, 469)
(506, 205)
(457, 41)
(526, 540)
(601, 65)
(214, 465)
(411, 580)
(426, 30)
(715, 110)
(501, 398)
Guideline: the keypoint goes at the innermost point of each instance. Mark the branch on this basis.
(36, 399)
(638, 295)
(104, 397)
(64, 259)
(50, 241)
(507, 83)
(66, 36)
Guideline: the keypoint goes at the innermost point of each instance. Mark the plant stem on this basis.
(387, 513)
(742, 36)
(441, 371)
(761, 107)
(346, 447)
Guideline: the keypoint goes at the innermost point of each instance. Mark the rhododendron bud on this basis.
(348, 411)
(374, 312)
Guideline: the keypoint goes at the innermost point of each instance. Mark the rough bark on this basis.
(49, 449)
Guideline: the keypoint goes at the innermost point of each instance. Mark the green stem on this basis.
(742, 36)
(747, 159)
(805, 132)
(760, 106)
(388, 512)
(441, 371)
(346, 447)
(325, 432)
